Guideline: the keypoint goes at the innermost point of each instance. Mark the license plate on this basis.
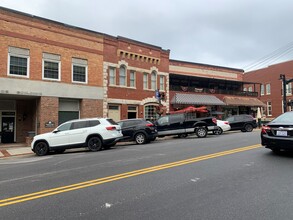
(281, 133)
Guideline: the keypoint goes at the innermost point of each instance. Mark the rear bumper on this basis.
(277, 142)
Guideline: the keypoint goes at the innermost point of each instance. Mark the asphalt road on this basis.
(219, 177)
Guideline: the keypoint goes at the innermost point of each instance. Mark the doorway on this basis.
(7, 129)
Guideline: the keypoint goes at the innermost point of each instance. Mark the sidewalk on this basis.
(14, 149)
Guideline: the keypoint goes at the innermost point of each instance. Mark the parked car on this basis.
(245, 123)
(184, 123)
(138, 130)
(278, 134)
(222, 126)
(94, 133)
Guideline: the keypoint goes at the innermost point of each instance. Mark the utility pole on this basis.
(285, 82)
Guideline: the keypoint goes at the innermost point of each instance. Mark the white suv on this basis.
(94, 133)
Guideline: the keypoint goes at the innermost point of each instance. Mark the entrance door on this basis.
(114, 112)
(7, 134)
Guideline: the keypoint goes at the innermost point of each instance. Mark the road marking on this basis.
(63, 189)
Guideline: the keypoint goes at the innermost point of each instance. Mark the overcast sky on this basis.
(244, 34)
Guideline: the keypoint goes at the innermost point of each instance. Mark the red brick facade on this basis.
(270, 76)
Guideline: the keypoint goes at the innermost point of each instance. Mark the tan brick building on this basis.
(49, 72)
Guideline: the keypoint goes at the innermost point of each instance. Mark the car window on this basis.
(111, 121)
(163, 120)
(79, 124)
(176, 118)
(64, 127)
(93, 123)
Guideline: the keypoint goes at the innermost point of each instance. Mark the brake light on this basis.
(149, 125)
(111, 128)
(214, 120)
(226, 122)
(264, 129)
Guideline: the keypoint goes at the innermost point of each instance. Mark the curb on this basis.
(15, 152)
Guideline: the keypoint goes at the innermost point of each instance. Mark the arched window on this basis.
(150, 112)
(122, 76)
(154, 80)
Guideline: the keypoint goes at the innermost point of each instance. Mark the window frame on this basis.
(289, 89)
(74, 63)
(268, 89)
(132, 79)
(145, 81)
(124, 76)
(112, 70)
(269, 108)
(51, 61)
(15, 54)
(162, 83)
(262, 89)
(154, 80)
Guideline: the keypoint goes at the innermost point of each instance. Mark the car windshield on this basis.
(284, 118)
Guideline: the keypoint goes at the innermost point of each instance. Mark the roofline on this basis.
(209, 65)
(79, 28)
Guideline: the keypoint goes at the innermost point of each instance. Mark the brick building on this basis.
(218, 88)
(133, 71)
(49, 73)
(270, 87)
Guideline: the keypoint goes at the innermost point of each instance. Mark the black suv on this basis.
(245, 123)
(138, 130)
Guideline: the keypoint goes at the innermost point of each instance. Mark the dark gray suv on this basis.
(245, 123)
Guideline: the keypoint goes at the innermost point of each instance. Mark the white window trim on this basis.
(262, 89)
(28, 65)
(268, 86)
(289, 88)
(125, 84)
(163, 83)
(269, 114)
(86, 73)
(154, 73)
(134, 79)
(115, 75)
(59, 69)
(147, 81)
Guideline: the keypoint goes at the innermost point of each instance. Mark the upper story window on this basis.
(268, 89)
(51, 66)
(112, 76)
(244, 89)
(249, 89)
(289, 89)
(154, 80)
(145, 81)
(262, 89)
(79, 70)
(18, 60)
(162, 83)
(269, 108)
(122, 76)
(132, 79)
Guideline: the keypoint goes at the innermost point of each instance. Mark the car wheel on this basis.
(59, 151)
(248, 128)
(182, 135)
(218, 131)
(140, 138)
(201, 132)
(41, 148)
(94, 144)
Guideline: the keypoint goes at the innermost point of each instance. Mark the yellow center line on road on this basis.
(58, 190)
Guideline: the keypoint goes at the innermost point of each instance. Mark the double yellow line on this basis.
(58, 190)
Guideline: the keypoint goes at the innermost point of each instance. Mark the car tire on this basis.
(94, 144)
(248, 128)
(140, 138)
(41, 148)
(218, 131)
(201, 132)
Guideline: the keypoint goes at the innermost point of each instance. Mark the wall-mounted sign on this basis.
(50, 124)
